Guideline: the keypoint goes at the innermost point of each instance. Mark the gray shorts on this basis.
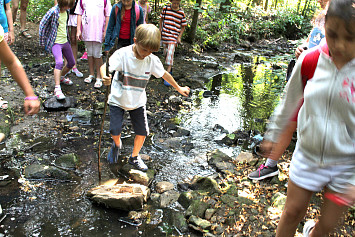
(314, 177)
(138, 118)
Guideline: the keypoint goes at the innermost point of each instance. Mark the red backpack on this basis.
(308, 68)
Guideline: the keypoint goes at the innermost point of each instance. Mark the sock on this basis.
(57, 88)
(270, 163)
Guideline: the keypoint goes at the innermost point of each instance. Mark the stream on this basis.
(241, 96)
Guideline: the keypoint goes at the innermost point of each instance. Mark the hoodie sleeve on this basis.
(288, 105)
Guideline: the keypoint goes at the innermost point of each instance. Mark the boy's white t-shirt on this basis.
(128, 91)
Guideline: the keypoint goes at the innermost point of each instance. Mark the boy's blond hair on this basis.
(148, 36)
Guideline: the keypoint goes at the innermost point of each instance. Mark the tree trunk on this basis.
(266, 5)
(193, 28)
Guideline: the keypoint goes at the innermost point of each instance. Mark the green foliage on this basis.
(242, 22)
(37, 8)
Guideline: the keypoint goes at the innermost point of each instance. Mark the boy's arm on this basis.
(180, 35)
(8, 13)
(105, 79)
(182, 90)
(160, 24)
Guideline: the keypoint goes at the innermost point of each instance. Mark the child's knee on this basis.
(59, 65)
(70, 64)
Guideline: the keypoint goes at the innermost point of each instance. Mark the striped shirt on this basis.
(172, 23)
(48, 28)
(128, 91)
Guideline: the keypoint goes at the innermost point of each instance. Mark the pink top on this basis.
(93, 18)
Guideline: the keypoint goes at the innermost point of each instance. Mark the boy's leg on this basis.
(169, 60)
(138, 144)
(295, 209)
(116, 120)
(330, 215)
(140, 126)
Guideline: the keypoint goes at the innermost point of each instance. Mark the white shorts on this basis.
(73, 20)
(93, 49)
(314, 177)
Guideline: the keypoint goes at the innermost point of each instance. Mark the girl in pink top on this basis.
(92, 23)
(146, 9)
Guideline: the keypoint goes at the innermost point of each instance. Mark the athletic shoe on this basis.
(112, 156)
(59, 94)
(138, 163)
(263, 172)
(308, 226)
(77, 72)
(85, 56)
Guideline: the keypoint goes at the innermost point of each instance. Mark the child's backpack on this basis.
(136, 8)
(309, 64)
(308, 68)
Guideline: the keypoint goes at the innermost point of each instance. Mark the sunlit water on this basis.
(242, 98)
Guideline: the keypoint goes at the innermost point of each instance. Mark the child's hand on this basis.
(106, 80)
(78, 34)
(266, 147)
(11, 37)
(31, 107)
(185, 91)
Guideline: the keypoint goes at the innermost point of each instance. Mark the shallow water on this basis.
(241, 97)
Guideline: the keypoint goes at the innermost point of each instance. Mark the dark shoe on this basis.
(138, 163)
(264, 172)
(112, 156)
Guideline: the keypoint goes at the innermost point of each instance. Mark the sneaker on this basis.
(85, 56)
(77, 72)
(138, 163)
(66, 81)
(112, 156)
(308, 226)
(263, 172)
(59, 94)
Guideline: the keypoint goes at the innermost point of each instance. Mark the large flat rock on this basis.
(125, 197)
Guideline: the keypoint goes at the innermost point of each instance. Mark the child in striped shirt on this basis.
(172, 25)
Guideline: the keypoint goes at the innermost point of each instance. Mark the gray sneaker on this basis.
(138, 163)
(263, 172)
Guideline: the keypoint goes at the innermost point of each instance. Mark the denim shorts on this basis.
(138, 118)
(314, 177)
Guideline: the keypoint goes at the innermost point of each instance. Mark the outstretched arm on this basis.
(185, 91)
(32, 104)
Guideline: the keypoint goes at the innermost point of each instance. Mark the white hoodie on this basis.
(326, 120)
